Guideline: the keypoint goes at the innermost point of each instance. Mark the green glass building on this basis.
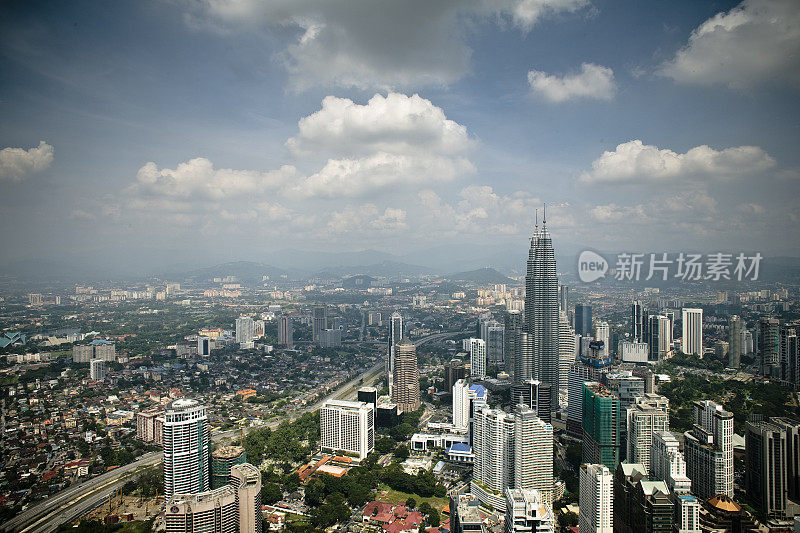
(222, 459)
(601, 420)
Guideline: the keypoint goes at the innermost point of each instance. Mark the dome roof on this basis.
(724, 503)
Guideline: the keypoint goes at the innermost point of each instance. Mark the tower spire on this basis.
(536, 222)
(544, 216)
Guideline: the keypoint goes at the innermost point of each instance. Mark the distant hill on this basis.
(481, 276)
(243, 271)
(384, 269)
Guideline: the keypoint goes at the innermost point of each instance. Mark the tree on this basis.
(402, 453)
(411, 503)
(291, 482)
(271, 493)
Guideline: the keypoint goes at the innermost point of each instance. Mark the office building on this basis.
(709, 450)
(527, 512)
(319, 321)
(477, 358)
(465, 516)
(222, 459)
(286, 331)
(601, 421)
(186, 448)
(667, 463)
(734, 342)
(97, 369)
(495, 344)
(627, 477)
(204, 346)
(453, 371)
(541, 311)
(686, 516)
(535, 395)
(769, 346)
(583, 320)
(246, 480)
(330, 338)
(692, 331)
(659, 337)
(563, 299)
(625, 386)
(596, 499)
(395, 336)
(637, 322)
(579, 373)
(347, 428)
(648, 415)
(765, 467)
(567, 349)
(467, 398)
(634, 352)
(245, 330)
(792, 430)
(405, 392)
(368, 395)
(214, 511)
(533, 453)
(513, 325)
(603, 333)
(790, 355)
(652, 510)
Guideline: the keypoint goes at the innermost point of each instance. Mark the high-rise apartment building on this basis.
(583, 320)
(790, 354)
(601, 421)
(246, 480)
(97, 349)
(467, 398)
(596, 499)
(667, 463)
(405, 391)
(766, 470)
(648, 415)
(493, 446)
(734, 342)
(347, 427)
(477, 358)
(541, 310)
(692, 331)
(533, 453)
(245, 330)
(214, 511)
(186, 448)
(286, 331)
(395, 336)
(97, 369)
(709, 450)
(527, 512)
(579, 373)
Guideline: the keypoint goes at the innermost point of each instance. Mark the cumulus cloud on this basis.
(16, 163)
(395, 123)
(198, 178)
(592, 82)
(372, 43)
(757, 41)
(636, 162)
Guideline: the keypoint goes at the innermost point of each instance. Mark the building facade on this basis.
(186, 448)
(347, 428)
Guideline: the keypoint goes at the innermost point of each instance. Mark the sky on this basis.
(224, 129)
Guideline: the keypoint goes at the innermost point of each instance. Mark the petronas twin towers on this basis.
(540, 357)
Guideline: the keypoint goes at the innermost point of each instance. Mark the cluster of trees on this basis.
(284, 444)
(148, 484)
(423, 483)
(407, 426)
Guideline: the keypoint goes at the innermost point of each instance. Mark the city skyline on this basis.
(617, 117)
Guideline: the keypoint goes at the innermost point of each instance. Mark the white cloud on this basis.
(757, 41)
(592, 82)
(372, 43)
(198, 178)
(396, 123)
(636, 162)
(16, 163)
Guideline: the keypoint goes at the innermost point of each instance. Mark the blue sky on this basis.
(224, 129)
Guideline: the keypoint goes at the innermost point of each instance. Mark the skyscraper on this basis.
(453, 371)
(535, 395)
(709, 450)
(541, 309)
(769, 346)
(477, 358)
(214, 511)
(319, 322)
(567, 349)
(659, 336)
(405, 391)
(467, 398)
(692, 332)
(513, 325)
(601, 421)
(244, 330)
(563, 299)
(97, 369)
(495, 344)
(347, 427)
(637, 322)
(596, 499)
(648, 415)
(286, 331)
(493, 446)
(734, 342)
(533, 453)
(186, 447)
(765, 467)
(395, 336)
(246, 479)
(583, 320)
(222, 459)
(603, 333)
(667, 463)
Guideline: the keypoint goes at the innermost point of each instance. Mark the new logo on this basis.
(591, 266)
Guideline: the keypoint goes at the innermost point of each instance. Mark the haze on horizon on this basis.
(180, 131)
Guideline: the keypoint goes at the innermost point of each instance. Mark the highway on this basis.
(75, 501)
